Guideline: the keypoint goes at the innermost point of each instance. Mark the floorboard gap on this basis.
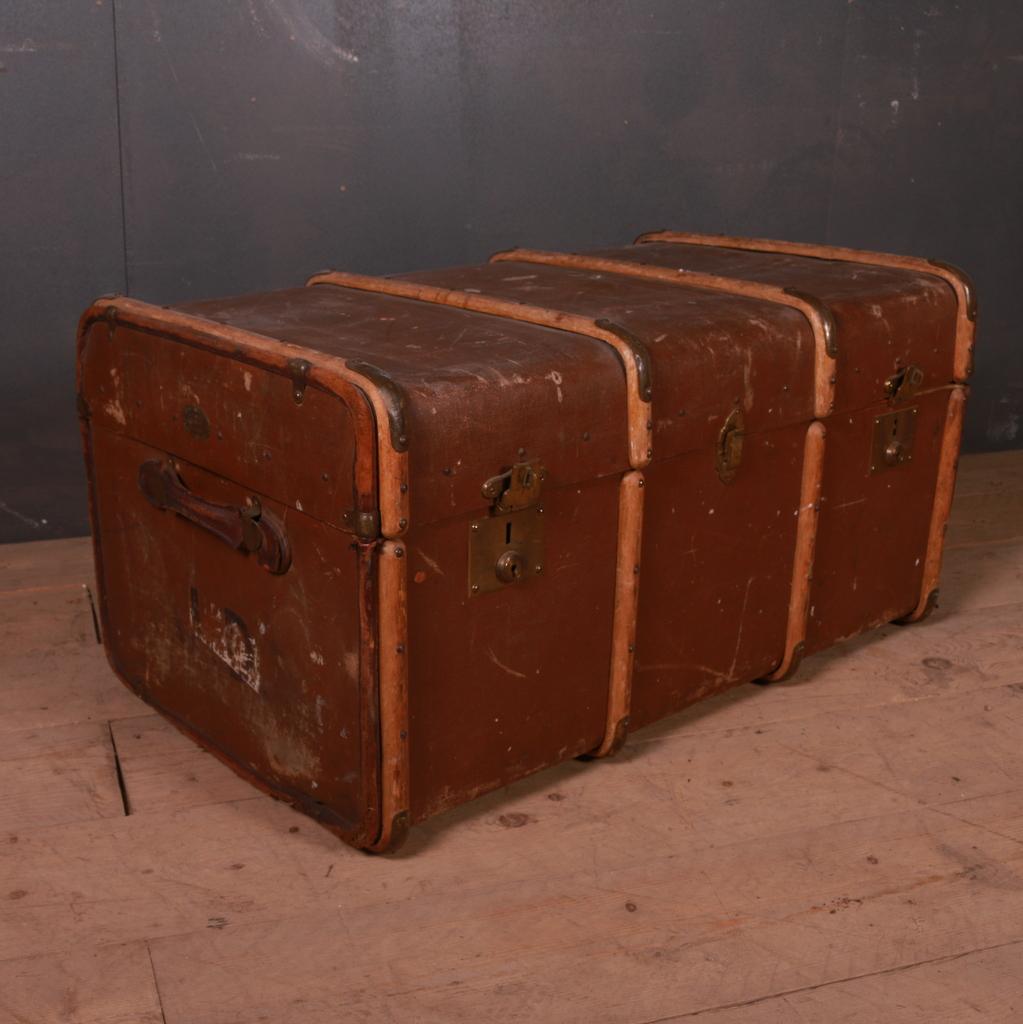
(156, 983)
(121, 784)
(95, 617)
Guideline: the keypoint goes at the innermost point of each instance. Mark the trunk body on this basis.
(385, 544)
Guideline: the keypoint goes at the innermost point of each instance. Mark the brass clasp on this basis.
(904, 383)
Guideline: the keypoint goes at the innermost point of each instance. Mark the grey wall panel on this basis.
(61, 246)
(264, 139)
(287, 134)
(587, 121)
(931, 162)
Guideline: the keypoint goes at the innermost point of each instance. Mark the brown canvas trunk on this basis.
(385, 544)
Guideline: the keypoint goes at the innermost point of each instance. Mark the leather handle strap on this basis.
(247, 529)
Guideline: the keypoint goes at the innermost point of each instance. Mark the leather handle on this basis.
(248, 529)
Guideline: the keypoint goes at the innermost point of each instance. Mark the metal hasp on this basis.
(904, 384)
(730, 441)
(892, 444)
(506, 547)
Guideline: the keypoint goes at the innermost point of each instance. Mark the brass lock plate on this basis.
(892, 444)
(505, 550)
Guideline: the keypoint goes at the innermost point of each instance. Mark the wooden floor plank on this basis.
(984, 987)
(46, 563)
(103, 985)
(74, 685)
(687, 796)
(982, 576)
(849, 841)
(676, 934)
(986, 518)
(164, 770)
(40, 624)
(56, 775)
(989, 473)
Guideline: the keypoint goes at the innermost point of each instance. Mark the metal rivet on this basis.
(641, 482)
(649, 453)
(400, 648)
(402, 523)
(539, 568)
(475, 588)
(475, 526)
(402, 439)
(539, 510)
(403, 488)
(399, 552)
(650, 424)
(403, 734)
(632, 648)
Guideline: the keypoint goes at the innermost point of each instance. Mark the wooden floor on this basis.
(845, 848)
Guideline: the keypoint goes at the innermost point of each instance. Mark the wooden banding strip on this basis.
(958, 279)
(948, 459)
(392, 659)
(806, 542)
(631, 353)
(818, 315)
(329, 373)
(623, 635)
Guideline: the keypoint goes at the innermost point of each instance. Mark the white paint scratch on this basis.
(435, 566)
(297, 20)
(503, 667)
(742, 623)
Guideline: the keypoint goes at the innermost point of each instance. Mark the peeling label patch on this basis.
(225, 634)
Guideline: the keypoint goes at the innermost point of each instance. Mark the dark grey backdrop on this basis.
(181, 148)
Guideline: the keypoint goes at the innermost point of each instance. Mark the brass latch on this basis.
(507, 546)
(904, 383)
(515, 488)
(892, 443)
(730, 442)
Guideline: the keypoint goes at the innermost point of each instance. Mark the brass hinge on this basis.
(507, 546)
(365, 525)
(298, 371)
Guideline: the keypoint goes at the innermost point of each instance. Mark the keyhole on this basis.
(507, 533)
